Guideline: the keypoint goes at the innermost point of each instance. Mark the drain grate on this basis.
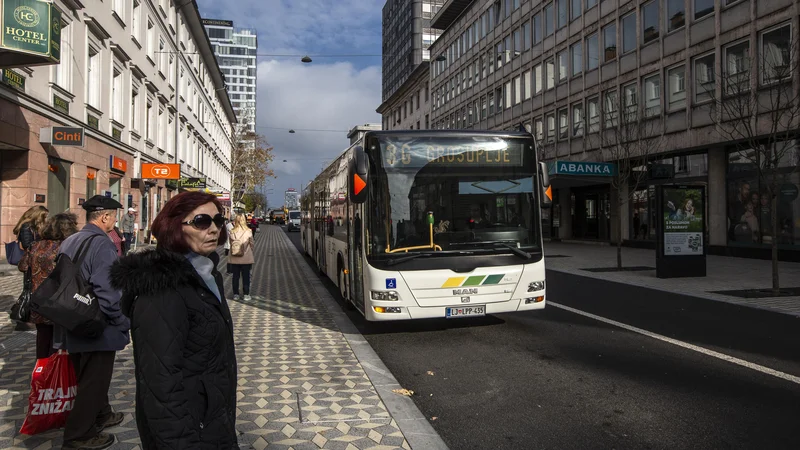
(16, 341)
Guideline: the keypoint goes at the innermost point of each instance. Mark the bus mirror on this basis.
(359, 176)
(545, 189)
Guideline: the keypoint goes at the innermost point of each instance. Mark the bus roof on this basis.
(452, 133)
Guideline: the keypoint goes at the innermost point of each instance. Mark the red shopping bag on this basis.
(53, 389)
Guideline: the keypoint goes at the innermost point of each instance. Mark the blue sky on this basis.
(332, 93)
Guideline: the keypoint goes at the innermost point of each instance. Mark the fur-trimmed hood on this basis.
(150, 272)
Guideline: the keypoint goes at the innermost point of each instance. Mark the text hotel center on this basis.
(140, 79)
(560, 68)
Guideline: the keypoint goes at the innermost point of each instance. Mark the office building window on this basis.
(610, 108)
(676, 14)
(517, 90)
(491, 104)
(537, 28)
(118, 6)
(591, 4)
(563, 124)
(538, 129)
(134, 108)
(550, 119)
(526, 36)
(736, 72)
(550, 73)
(526, 85)
(136, 21)
(650, 30)
(631, 103)
(592, 52)
(62, 72)
(537, 79)
(575, 9)
(148, 126)
(676, 87)
(703, 8)
(116, 94)
(508, 48)
(549, 17)
(609, 42)
(563, 13)
(704, 86)
(652, 93)
(151, 41)
(629, 33)
(499, 54)
(577, 58)
(593, 111)
(577, 119)
(776, 54)
(517, 42)
(563, 66)
(483, 108)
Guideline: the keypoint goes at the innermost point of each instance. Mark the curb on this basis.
(580, 273)
(412, 423)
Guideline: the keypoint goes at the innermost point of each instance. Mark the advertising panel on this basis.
(683, 220)
(158, 171)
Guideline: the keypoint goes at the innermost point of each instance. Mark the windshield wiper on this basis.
(394, 262)
(517, 251)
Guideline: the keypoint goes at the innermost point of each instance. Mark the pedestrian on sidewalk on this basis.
(183, 350)
(27, 231)
(228, 230)
(127, 225)
(94, 358)
(41, 260)
(241, 258)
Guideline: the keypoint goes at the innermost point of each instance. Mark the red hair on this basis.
(168, 228)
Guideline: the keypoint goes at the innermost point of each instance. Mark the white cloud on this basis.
(311, 96)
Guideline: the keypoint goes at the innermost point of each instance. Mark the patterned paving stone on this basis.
(300, 386)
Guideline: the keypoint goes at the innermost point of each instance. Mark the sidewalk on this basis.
(302, 377)
(723, 274)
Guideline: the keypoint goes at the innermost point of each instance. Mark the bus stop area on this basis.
(307, 379)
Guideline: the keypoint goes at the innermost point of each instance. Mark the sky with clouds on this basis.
(331, 93)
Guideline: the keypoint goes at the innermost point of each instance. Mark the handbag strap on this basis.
(80, 255)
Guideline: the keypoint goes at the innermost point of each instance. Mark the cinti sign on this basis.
(30, 34)
(583, 168)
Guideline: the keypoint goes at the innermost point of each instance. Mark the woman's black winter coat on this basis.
(183, 352)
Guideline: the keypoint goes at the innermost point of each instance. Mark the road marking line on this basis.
(705, 351)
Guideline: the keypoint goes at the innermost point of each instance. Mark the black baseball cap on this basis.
(100, 203)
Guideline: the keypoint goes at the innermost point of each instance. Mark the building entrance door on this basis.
(591, 214)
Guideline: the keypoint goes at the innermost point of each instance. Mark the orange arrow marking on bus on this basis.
(358, 184)
(549, 193)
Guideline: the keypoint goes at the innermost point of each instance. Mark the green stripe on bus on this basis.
(493, 279)
(474, 281)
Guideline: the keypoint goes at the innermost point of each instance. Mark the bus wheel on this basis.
(343, 289)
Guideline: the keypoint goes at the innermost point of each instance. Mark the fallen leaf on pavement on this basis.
(434, 418)
(406, 392)
(430, 373)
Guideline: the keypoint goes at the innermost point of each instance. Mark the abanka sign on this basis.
(583, 168)
(31, 33)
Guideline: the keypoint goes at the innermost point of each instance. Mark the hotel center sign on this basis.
(31, 33)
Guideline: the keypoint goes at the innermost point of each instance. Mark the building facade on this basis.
(236, 50)
(409, 108)
(565, 69)
(141, 82)
(358, 131)
(407, 35)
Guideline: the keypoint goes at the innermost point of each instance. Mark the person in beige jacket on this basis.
(241, 256)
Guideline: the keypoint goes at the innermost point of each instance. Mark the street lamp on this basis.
(441, 58)
(292, 131)
(306, 59)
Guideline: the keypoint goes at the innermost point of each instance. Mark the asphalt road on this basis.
(556, 379)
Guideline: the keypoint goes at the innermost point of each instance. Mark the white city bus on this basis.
(423, 224)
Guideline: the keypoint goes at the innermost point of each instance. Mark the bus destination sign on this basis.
(418, 154)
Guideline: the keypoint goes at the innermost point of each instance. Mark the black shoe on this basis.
(110, 421)
(98, 442)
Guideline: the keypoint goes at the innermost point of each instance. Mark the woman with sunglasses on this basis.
(182, 331)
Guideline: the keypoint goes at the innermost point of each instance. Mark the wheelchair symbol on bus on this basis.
(391, 283)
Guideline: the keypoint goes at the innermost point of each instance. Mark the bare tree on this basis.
(250, 161)
(757, 107)
(631, 139)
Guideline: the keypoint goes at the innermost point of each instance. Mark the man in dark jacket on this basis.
(94, 358)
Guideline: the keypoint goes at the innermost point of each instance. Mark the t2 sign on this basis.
(161, 171)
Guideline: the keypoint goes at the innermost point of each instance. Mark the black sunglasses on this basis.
(203, 221)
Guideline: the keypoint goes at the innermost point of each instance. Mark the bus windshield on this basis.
(295, 214)
(451, 194)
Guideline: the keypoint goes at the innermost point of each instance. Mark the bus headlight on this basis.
(386, 309)
(534, 286)
(530, 300)
(385, 295)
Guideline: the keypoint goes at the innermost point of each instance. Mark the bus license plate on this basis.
(463, 311)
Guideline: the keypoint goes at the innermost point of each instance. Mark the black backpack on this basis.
(67, 299)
